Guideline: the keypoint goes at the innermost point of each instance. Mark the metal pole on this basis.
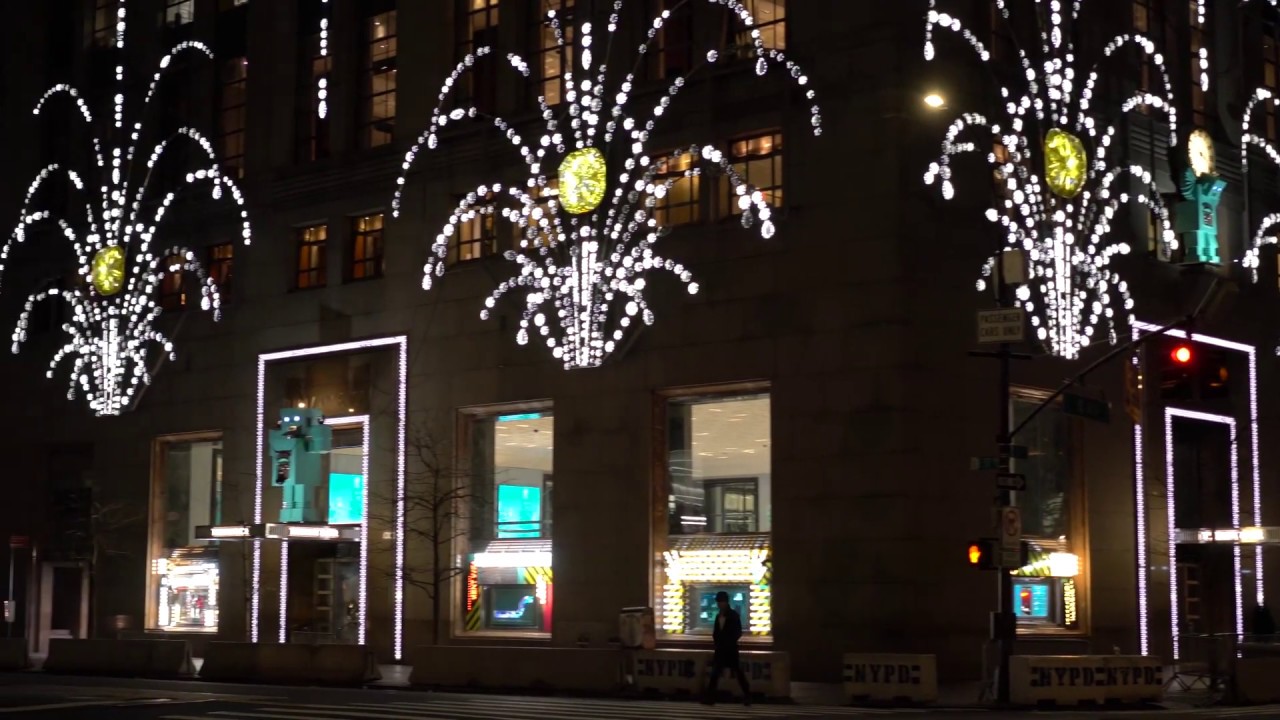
(8, 621)
(1004, 629)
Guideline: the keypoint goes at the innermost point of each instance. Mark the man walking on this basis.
(725, 635)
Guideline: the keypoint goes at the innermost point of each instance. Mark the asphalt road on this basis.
(68, 698)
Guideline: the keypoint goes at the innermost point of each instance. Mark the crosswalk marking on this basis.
(462, 707)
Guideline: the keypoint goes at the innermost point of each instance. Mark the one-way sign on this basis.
(1001, 326)
(1011, 481)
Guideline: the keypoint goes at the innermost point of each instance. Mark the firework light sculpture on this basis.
(113, 309)
(1056, 202)
(1266, 231)
(588, 231)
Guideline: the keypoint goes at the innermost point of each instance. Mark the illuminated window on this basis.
(552, 59)
(178, 12)
(536, 233)
(231, 123)
(758, 161)
(313, 128)
(671, 54)
(104, 22)
(771, 20)
(479, 28)
(186, 492)
(508, 580)
(1153, 19)
(312, 242)
(220, 266)
(999, 178)
(173, 294)
(379, 84)
(680, 205)
(366, 247)
(1043, 600)
(718, 483)
(476, 237)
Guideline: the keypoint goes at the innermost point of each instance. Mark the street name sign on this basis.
(1001, 326)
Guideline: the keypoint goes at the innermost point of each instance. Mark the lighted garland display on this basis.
(113, 309)
(1266, 231)
(588, 232)
(1061, 189)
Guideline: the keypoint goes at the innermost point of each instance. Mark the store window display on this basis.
(718, 481)
(186, 493)
(509, 580)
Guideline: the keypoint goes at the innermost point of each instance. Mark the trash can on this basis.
(635, 628)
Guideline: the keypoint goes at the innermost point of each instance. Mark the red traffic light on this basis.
(1182, 354)
(975, 553)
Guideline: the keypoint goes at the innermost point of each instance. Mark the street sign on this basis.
(1017, 452)
(1010, 528)
(984, 463)
(1001, 326)
(1011, 481)
(1086, 407)
(19, 541)
(1011, 557)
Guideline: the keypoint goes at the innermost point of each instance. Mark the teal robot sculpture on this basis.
(300, 444)
(1197, 214)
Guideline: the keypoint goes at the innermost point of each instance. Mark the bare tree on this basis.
(104, 535)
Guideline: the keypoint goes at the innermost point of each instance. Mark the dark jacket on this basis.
(726, 638)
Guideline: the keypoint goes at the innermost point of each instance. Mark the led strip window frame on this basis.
(401, 343)
(1251, 352)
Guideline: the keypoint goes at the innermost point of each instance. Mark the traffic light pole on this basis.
(1003, 630)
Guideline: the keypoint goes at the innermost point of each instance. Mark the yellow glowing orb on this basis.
(583, 176)
(1065, 163)
(108, 270)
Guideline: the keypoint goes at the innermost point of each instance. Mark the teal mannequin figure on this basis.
(300, 443)
(1196, 217)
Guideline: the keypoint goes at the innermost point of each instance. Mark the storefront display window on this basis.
(1045, 592)
(508, 586)
(718, 512)
(186, 493)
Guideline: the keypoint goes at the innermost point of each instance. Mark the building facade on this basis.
(801, 432)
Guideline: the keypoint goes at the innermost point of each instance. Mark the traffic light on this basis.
(1215, 377)
(982, 553)
(1182, 354)
(1178, 367)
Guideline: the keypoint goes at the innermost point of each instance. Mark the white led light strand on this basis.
(587, 267)
(112, 327)
(1064, 231)
(284, 591)
(1266, 231)
(322, 84)
(401, 342)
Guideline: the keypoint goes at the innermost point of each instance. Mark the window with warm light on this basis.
(770, 19)
(479, 28)
(312, 243)
(1153, 19)
(671, 53)
(220, 266)
(508, 587)
(681, 205)
(366, 247)
(477, 236)
(186, 492)
(757, 159)
(178, 12)
(104, 22)
(379, 83)
(1047, 593)
(539, 232)
(718, 480)
(231, 118)
(552, 58)
(173, 293)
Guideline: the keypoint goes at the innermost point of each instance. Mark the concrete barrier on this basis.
(131, 658)
(687, 672)
(1076, 679)
(1256, 680)
(13, 654)
(545, 668)
(891, 678)
(289, 664)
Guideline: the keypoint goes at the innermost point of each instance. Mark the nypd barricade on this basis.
(687, 671)
(891, 678)
(1075, 679)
